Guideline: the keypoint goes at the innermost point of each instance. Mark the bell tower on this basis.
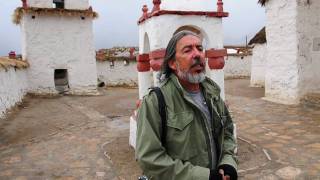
(57, 40)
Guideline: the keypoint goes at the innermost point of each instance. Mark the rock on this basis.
(288, 172)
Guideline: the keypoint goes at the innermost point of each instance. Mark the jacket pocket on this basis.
(180, 120)
(180, 137)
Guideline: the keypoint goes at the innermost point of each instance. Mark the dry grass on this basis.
(18, 13)
(5, 63)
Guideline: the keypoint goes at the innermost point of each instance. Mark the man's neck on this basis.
(190, 87)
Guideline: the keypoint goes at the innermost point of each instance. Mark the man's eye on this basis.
(200, 48)
(187, 50)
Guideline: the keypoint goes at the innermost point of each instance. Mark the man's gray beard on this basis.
(192, 78)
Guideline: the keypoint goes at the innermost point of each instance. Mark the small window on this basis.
(58, 4)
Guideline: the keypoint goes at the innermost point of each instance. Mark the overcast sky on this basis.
(117, 22)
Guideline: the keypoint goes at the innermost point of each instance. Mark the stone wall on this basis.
(237, 66)
(119, 74)
(258, 65)
(13, 87)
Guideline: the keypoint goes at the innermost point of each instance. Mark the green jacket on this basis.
(187, 156)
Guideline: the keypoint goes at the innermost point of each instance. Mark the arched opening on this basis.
(146, 44)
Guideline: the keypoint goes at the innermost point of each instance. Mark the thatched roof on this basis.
(5, 63)
(259, 38)
(51, 11)
(263, 2)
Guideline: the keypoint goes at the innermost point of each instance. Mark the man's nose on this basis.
(197, 53)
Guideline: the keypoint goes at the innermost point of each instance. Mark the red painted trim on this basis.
(156, 5)
(24, 3)
(156, 58)
(220, 6)
(143, 66)
(143, 58)
(156, 54)
(184, 13)
(156, 64)
(214, 53)
(216, 63)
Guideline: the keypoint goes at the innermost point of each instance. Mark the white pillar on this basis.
(155, 78)
(217, 75)
(145, 82)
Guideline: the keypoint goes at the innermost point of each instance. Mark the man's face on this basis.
(189, 63)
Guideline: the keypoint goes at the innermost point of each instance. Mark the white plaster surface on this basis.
(76, 4)
(189, 5)
(155, 78)
(258, 64)
(119, 74)
(308, 26)
(237, 66)
(40, 3)
(160, 29)
(133, 132)
(50, 43)
(217, 75)
(292, 63)
(13, 87)
(144, 83)
(281, 82)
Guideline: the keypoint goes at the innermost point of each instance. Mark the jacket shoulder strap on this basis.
(163, 114)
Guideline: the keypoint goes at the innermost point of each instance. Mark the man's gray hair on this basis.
(166, 71)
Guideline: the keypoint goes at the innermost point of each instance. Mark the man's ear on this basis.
(172, 64)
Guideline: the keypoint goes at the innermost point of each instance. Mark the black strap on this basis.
(163, 114)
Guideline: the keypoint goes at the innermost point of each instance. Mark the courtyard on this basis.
(86, 137)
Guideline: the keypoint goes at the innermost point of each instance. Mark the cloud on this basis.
(117, 24)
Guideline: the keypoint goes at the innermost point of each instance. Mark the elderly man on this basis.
(199, 142)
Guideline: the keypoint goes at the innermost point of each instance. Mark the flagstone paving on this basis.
(290, 135)
(73, 137)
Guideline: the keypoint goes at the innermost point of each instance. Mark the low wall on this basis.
(237, 66)
(13, 87)
(119, 74)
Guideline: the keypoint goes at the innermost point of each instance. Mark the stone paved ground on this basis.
(73, 137)
(290, 135)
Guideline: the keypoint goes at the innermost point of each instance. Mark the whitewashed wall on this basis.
(50, 43)
(119, 74)
(13, 87)
(237, 66)
(189, 5)
(308, 24)
(68, 4)
(258, 64)
(40, 3)
(76, 4)
(160, 31)
(281, 83)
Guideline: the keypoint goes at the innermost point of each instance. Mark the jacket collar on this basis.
(208, 86)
